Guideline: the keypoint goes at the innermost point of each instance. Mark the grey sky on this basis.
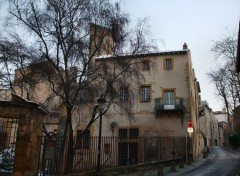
(196, 22)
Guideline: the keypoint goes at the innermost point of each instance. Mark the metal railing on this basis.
(114, 152)
(169, 104)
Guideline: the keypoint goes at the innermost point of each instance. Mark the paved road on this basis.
(222, 162)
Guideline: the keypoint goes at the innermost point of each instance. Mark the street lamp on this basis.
(101, 102)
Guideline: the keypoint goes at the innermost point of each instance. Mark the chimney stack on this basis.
(223, 110)
(185, 47)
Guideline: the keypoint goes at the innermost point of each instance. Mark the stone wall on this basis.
(27, 147)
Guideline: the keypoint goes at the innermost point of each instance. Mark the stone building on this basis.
(205, 114)
(223, 116)
(214, 131)
(32, 83)
(162, 103)
(221, 133)
(226, 121)
(5, 94)
(236, 119)
(211, 129)
(159, 105)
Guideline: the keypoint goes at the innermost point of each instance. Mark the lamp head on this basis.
(101, 102)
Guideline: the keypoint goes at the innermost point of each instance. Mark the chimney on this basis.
(185, 46)
(223, 110)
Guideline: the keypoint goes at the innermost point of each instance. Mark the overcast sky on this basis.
(196, 22)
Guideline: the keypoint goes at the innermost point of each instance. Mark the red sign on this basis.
(190, 125)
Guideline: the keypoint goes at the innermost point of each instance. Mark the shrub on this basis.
(234, 138)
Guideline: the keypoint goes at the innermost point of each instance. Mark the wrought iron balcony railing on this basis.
(169, 104)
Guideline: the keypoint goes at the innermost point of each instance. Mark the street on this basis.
(222, 161)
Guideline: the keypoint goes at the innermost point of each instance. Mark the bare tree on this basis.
(225, 78)
(80, 43)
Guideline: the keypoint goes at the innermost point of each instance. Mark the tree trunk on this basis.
(70, 144)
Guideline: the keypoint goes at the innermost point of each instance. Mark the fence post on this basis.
(160, 171)
(181, 162)
(114, 174)
(173, 167)
(160, 145)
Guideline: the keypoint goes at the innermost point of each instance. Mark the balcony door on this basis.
(169, 100)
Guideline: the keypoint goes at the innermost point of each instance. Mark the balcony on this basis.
(175, 104)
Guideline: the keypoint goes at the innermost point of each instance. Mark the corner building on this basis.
(162, 104)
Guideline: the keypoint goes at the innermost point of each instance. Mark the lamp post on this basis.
(101, 102)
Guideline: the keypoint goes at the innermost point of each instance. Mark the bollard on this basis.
(160, 171)
(141, 171)
(181, 163)
(172, 167)
(189, 162)
(114, 174)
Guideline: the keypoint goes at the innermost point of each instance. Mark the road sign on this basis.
(190, 125)
(190, 130)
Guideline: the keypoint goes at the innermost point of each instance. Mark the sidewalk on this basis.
(199, 161)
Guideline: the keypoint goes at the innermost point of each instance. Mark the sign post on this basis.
(190, 131)
(190, 128)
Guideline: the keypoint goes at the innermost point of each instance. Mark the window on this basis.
(168, 64)
(123, 94)
(146, 65)
(1, 128)
(131, 133)
(83, 142)
(125, 66)
(169, 97)
(145, 93)
(123, 133)
(82, 95)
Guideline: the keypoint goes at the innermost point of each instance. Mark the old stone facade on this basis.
(23, 126)
(226, 122)
(5, 94)
(205, 114)
(161, 104)
(236, 119)
(33, 84)
(212, 131)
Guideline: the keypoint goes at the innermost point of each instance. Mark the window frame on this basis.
(174, 95)
(133, 133)
(128, 133)
(145, 97)
(123, 96)
(147, 68)
(165, 64)
(123, 133)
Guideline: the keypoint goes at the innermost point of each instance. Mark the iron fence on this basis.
(115, 152)
(8, 136)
